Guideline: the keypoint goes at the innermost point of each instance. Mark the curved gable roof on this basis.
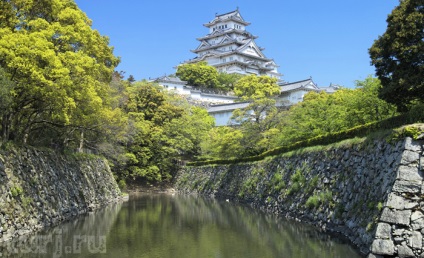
(250, 48)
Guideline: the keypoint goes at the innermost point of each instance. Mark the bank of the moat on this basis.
(40, 188)
(370, 191)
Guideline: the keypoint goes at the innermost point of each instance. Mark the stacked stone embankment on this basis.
(370, 191)
(39, 188)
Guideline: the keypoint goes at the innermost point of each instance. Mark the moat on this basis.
(164, 225)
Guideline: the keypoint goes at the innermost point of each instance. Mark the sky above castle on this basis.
(328, 40)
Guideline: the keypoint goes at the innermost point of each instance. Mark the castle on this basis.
(231, 49)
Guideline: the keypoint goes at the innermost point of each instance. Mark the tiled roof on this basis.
(227, 107)
(305, 84)
(170, 79)
(234, 15)
(331, 89)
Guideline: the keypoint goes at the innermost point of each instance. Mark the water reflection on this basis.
(184, 226)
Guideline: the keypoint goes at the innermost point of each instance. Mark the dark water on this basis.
(162, 226)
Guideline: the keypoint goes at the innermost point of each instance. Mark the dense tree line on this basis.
(262, 126)
(58, 89)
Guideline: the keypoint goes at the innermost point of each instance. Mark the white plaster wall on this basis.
(222, 119)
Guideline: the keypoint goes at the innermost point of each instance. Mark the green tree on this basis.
(253, 87)
(198, 74)
(322, 113)
(222, 143)
(6, 100)
(162, 129)
(228, 80)
(131, 79)
(399, 53)
(61, 69)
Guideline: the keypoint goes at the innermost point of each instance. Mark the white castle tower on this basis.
(232, 49)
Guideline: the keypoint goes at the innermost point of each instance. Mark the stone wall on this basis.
(370, 191)
(39, 188)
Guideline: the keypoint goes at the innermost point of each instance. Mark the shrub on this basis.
(16, 191)
(313, 201)
(122, 184)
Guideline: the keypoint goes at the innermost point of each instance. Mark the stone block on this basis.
(415, 240)
(383, 247)
(405, 251)
(383, 231)
(421, 166)
(417, 220)
(400, 203)
(409, 173)
(412, 145)
(401, 217)
(402, 186)
(398, 232)
(409, 157)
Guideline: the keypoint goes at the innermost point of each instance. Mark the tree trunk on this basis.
(81, 145)
(5, 125)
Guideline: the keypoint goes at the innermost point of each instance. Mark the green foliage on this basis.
(122, 184)
(298, 181)
(253, 87)
(277, 182)
(316, 200)
(26, 201)
(6, 101)
(198, 74)
(399, 53)
(264, 128)
(358, 131)
(222, 142)
(228, 80)
(161, 130)
(60, 68)
(312, 184)
(16, 191)
(312, 202)
(380, 206)
(322, 113)
(412, 131)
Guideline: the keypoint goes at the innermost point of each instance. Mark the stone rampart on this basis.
(370, 191)
(39, 188)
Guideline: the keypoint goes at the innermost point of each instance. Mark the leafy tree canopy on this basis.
(253, 87)
(199, 74)
(162, 129)
(398, 55)
(228, 80)
(60, 66)
(322, 113)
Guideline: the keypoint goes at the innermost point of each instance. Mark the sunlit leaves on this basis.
(198, 74)
(60, 65)
(256, 87)
(398, 55)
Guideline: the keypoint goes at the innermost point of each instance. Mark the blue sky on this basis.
(328, 39)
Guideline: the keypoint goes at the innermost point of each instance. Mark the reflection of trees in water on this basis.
(282, 236)
(185, 226)
(94, 225)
